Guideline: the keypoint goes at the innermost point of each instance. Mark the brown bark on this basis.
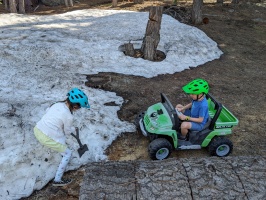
(226, 178)
(6, 4)
(129, 49)
(197, 12)
(69, 3)
(152, 36)
(114, 3)
(235, 1)
(21, 9)
(138, 1)
(151, 40)
(13, 6)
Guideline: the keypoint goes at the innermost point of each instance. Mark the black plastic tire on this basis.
(160, 149)
(220, 146)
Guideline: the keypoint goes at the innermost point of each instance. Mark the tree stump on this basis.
(129, 49)
(151, 39)
(152, 36)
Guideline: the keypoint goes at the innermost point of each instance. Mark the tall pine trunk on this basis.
(21, 8)
(13, 6)
(114, 3)
(197, 12)
(6, 4)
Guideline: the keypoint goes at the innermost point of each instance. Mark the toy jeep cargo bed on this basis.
(225, 119)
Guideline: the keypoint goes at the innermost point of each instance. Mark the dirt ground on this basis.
(237, 79)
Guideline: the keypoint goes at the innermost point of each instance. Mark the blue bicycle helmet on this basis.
(76, 95)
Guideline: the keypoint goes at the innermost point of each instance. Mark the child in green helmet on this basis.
(55, 124)
(195, 114)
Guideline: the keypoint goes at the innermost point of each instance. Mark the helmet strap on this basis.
(199, 97)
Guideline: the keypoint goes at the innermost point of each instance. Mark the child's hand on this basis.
(179, 107)
(183, 117)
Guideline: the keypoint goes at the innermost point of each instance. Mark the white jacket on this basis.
(57, 122)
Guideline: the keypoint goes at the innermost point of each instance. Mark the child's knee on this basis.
(185, 125)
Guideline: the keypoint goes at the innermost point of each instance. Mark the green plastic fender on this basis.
(172, 135)
(216, 132)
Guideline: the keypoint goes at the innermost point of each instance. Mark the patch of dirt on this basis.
(237, 79)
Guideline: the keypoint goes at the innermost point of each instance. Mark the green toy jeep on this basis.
(161, 124)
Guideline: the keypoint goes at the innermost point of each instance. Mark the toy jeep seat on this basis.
(194, 135)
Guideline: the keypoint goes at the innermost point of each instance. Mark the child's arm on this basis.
(194, 119)
(181, 109)
(68, 125)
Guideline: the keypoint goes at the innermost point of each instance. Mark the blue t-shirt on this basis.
(200, 109)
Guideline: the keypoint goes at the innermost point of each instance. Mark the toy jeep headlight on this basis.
(154, 116)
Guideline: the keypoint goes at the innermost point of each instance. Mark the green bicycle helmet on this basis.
(76, 95)
(197, 86)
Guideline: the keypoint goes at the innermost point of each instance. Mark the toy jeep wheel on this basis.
(160, 149)
(220, 146)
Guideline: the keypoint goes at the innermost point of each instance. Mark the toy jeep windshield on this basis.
(160, 123)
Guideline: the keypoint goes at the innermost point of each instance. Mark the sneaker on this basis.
(63, 182)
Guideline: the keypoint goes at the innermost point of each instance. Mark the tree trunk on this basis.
(13, 6)
(69, 3)
(21, 8)
(138, 1)
(235, 1)
(114, 3)
(197, 12)
(152, 36)
(6, 4)
(227, 178)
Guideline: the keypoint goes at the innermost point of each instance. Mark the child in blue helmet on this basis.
(55, 124)
(195, 114)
